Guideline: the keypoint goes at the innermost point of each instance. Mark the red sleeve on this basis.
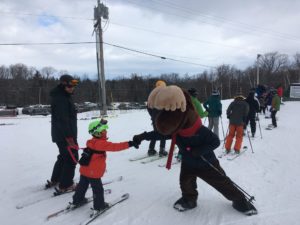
(103, 145)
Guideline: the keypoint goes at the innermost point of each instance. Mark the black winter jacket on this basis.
(253, 105)
(202, 143)
(64, 115)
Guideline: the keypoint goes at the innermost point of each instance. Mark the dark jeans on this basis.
(153, 142)
(273, 116)
(221, 183)
(251, 119)
(97, 187)
(64, 167)
(262, 109)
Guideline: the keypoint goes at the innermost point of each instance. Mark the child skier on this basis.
(93, 165)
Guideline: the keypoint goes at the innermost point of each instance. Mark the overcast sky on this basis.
(202, 33)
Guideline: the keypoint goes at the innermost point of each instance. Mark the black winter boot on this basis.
(162, 152)
(245, 207)
(183, 204)
(151, 152)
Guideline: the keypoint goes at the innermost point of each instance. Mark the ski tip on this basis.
(125, 196)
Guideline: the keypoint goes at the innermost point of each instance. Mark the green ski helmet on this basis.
(97, 126)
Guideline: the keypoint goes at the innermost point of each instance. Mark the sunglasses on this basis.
(72, 84)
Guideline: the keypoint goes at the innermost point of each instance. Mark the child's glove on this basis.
(133, 144)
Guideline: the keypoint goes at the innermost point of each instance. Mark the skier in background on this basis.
(197, 104)
(275, 107)
(237, 113)
(253, 109)
(214, 108)
(153, 113)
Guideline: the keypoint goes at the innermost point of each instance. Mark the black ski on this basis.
(69, 208)
(110, 205)
(43, 198)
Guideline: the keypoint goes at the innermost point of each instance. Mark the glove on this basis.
(133, 144)
(228, 116)
(139, 138)
(71, 143)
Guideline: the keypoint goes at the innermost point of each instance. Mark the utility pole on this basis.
(101, 11)
(257, 69)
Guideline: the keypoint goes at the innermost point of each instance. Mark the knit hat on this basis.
(160, 83)
(193, 92)
(215, 92)
(68, 80)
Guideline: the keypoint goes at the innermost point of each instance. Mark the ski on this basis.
(140, 157)
(69, 208)
(119, 178)
(237, 155)
(110, 205)
(152, 159)
(223, 154)
(35, 201)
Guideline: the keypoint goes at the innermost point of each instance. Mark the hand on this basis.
(71, 143)
(139, 138)
(133, 144)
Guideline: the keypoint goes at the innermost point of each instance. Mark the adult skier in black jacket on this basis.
(64, 133)
(253, 109)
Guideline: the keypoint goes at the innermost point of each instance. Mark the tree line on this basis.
(21, 85)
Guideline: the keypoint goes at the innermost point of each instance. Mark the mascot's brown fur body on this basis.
(179, 121)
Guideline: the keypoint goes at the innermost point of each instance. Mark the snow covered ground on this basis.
(271, 174)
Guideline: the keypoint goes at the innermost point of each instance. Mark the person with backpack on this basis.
(64, 134)
(93, 164)
(237, 113)
(214, 108)
(253, 110)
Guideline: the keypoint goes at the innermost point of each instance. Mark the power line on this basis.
(43, 15)
(242, 29)
(220, 19)
(113, 45)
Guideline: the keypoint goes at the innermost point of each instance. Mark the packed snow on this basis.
(270, 173)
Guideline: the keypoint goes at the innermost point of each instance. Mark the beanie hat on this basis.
(97, 126)
(193, 92)
(215, 92)
(68, 80)
(160, 83)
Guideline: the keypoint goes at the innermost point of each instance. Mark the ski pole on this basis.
(249, 140)
(247, 196)
(222, 127)
(259, 126)
(225, 137)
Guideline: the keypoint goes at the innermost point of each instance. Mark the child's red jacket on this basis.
(97, 165)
